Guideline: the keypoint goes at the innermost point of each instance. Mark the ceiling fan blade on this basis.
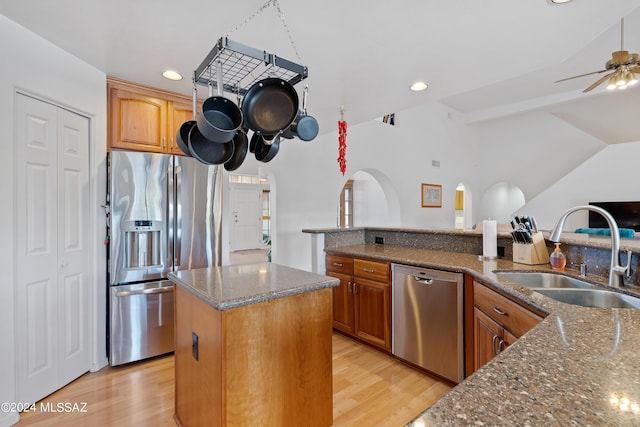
(597, 82)
(581, 75)
(635, 69)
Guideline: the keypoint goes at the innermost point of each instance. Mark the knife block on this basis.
(531, 253)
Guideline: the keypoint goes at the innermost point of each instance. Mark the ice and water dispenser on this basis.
(142, 244)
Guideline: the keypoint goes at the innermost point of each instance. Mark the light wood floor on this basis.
(370, 388)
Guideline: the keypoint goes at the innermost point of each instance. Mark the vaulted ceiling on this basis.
(486, 59)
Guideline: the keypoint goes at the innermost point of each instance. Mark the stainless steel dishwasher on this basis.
(428, 320)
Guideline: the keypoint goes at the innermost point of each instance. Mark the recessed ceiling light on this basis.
(418, 86)
(557, 1)
(171, 75)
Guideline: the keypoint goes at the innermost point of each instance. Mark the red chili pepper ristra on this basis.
(342, 148)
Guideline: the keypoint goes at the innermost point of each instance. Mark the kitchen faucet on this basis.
(616, 271)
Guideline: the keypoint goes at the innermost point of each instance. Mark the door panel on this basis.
(36, 251)
(246, 217)
(52, 206)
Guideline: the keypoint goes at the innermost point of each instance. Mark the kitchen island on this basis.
(253, 346)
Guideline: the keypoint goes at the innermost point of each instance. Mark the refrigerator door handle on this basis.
(177, 244)
(160, 290)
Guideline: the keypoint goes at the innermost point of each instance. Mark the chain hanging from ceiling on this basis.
(261, 9)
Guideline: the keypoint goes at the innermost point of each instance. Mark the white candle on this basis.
(489, 239)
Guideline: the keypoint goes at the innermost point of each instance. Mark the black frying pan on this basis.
(211, 153)
(269, 106)
(182, 136)
(267, 148)
(240, 145)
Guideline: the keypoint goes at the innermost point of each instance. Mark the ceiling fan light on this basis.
(612, 83)
(620, 80)
(631, 78)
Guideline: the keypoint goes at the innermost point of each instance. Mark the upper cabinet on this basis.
(145, 119)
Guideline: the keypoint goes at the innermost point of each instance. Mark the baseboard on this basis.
(8, 419)
(95, 367)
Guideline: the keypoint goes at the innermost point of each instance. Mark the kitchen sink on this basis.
(542, 280)
(591, 297)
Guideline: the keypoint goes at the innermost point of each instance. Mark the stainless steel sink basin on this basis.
(542, 280)
(591, 297)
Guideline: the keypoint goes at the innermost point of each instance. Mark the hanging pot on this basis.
(267, 147)
(220, 119)
(254, 141)
(182, 136)
(303, 126)
(240, 144)
(269, 106)
(211, 153)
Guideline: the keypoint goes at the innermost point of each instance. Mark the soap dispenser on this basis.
(557, 259)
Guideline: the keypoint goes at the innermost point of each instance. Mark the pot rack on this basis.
(242, 66)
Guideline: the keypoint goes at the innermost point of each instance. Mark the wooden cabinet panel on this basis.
(512, 316)
(362, 302)
(137, 121)
(486, 332)
(339, 264)
(372, 312)
(371, 270)
(498, 323)
(343, 303)
(145, 119)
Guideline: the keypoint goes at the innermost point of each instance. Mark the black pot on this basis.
(269, 106)
(303, 126)
(182, 136)
(240, 145)
(267, 147)
(211, 153)
(220, 119)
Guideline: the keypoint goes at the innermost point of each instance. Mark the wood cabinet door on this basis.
(373, 312)
(342, 303)
(179, 112)
(487, 336)
(137, 121)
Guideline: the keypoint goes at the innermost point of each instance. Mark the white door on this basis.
(52, 185)
(246, 216)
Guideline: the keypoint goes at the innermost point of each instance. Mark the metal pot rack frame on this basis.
(242, 66)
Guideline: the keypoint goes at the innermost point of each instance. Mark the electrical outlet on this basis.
(379, 240)
(194, 345)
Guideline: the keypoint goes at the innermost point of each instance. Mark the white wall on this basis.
(35, 66)
(608, 176)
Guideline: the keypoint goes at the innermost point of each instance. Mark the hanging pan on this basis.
(240, 145)
(182, 136)
(206, 151)
(269, 106)
(267, 147)
(303, 126)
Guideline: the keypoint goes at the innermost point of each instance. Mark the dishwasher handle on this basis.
(425, 280)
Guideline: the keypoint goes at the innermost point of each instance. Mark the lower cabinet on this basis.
(362, 301)
(497, 323)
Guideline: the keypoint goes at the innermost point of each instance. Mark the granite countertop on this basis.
(579, 366)
(232, 286)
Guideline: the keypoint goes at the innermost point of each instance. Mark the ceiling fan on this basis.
(623, 66)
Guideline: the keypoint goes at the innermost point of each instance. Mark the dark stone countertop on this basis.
(580, 366)
(227, 287)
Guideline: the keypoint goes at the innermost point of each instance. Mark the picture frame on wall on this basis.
(431, 195)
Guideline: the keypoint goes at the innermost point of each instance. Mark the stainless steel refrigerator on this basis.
(165, 215)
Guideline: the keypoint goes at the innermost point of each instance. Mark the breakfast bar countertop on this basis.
(579, 366)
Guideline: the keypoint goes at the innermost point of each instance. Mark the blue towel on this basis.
(626, 233)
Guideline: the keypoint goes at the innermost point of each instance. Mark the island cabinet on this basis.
(497, 323)
(145, 119)
(362, 301)
(253, 347)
